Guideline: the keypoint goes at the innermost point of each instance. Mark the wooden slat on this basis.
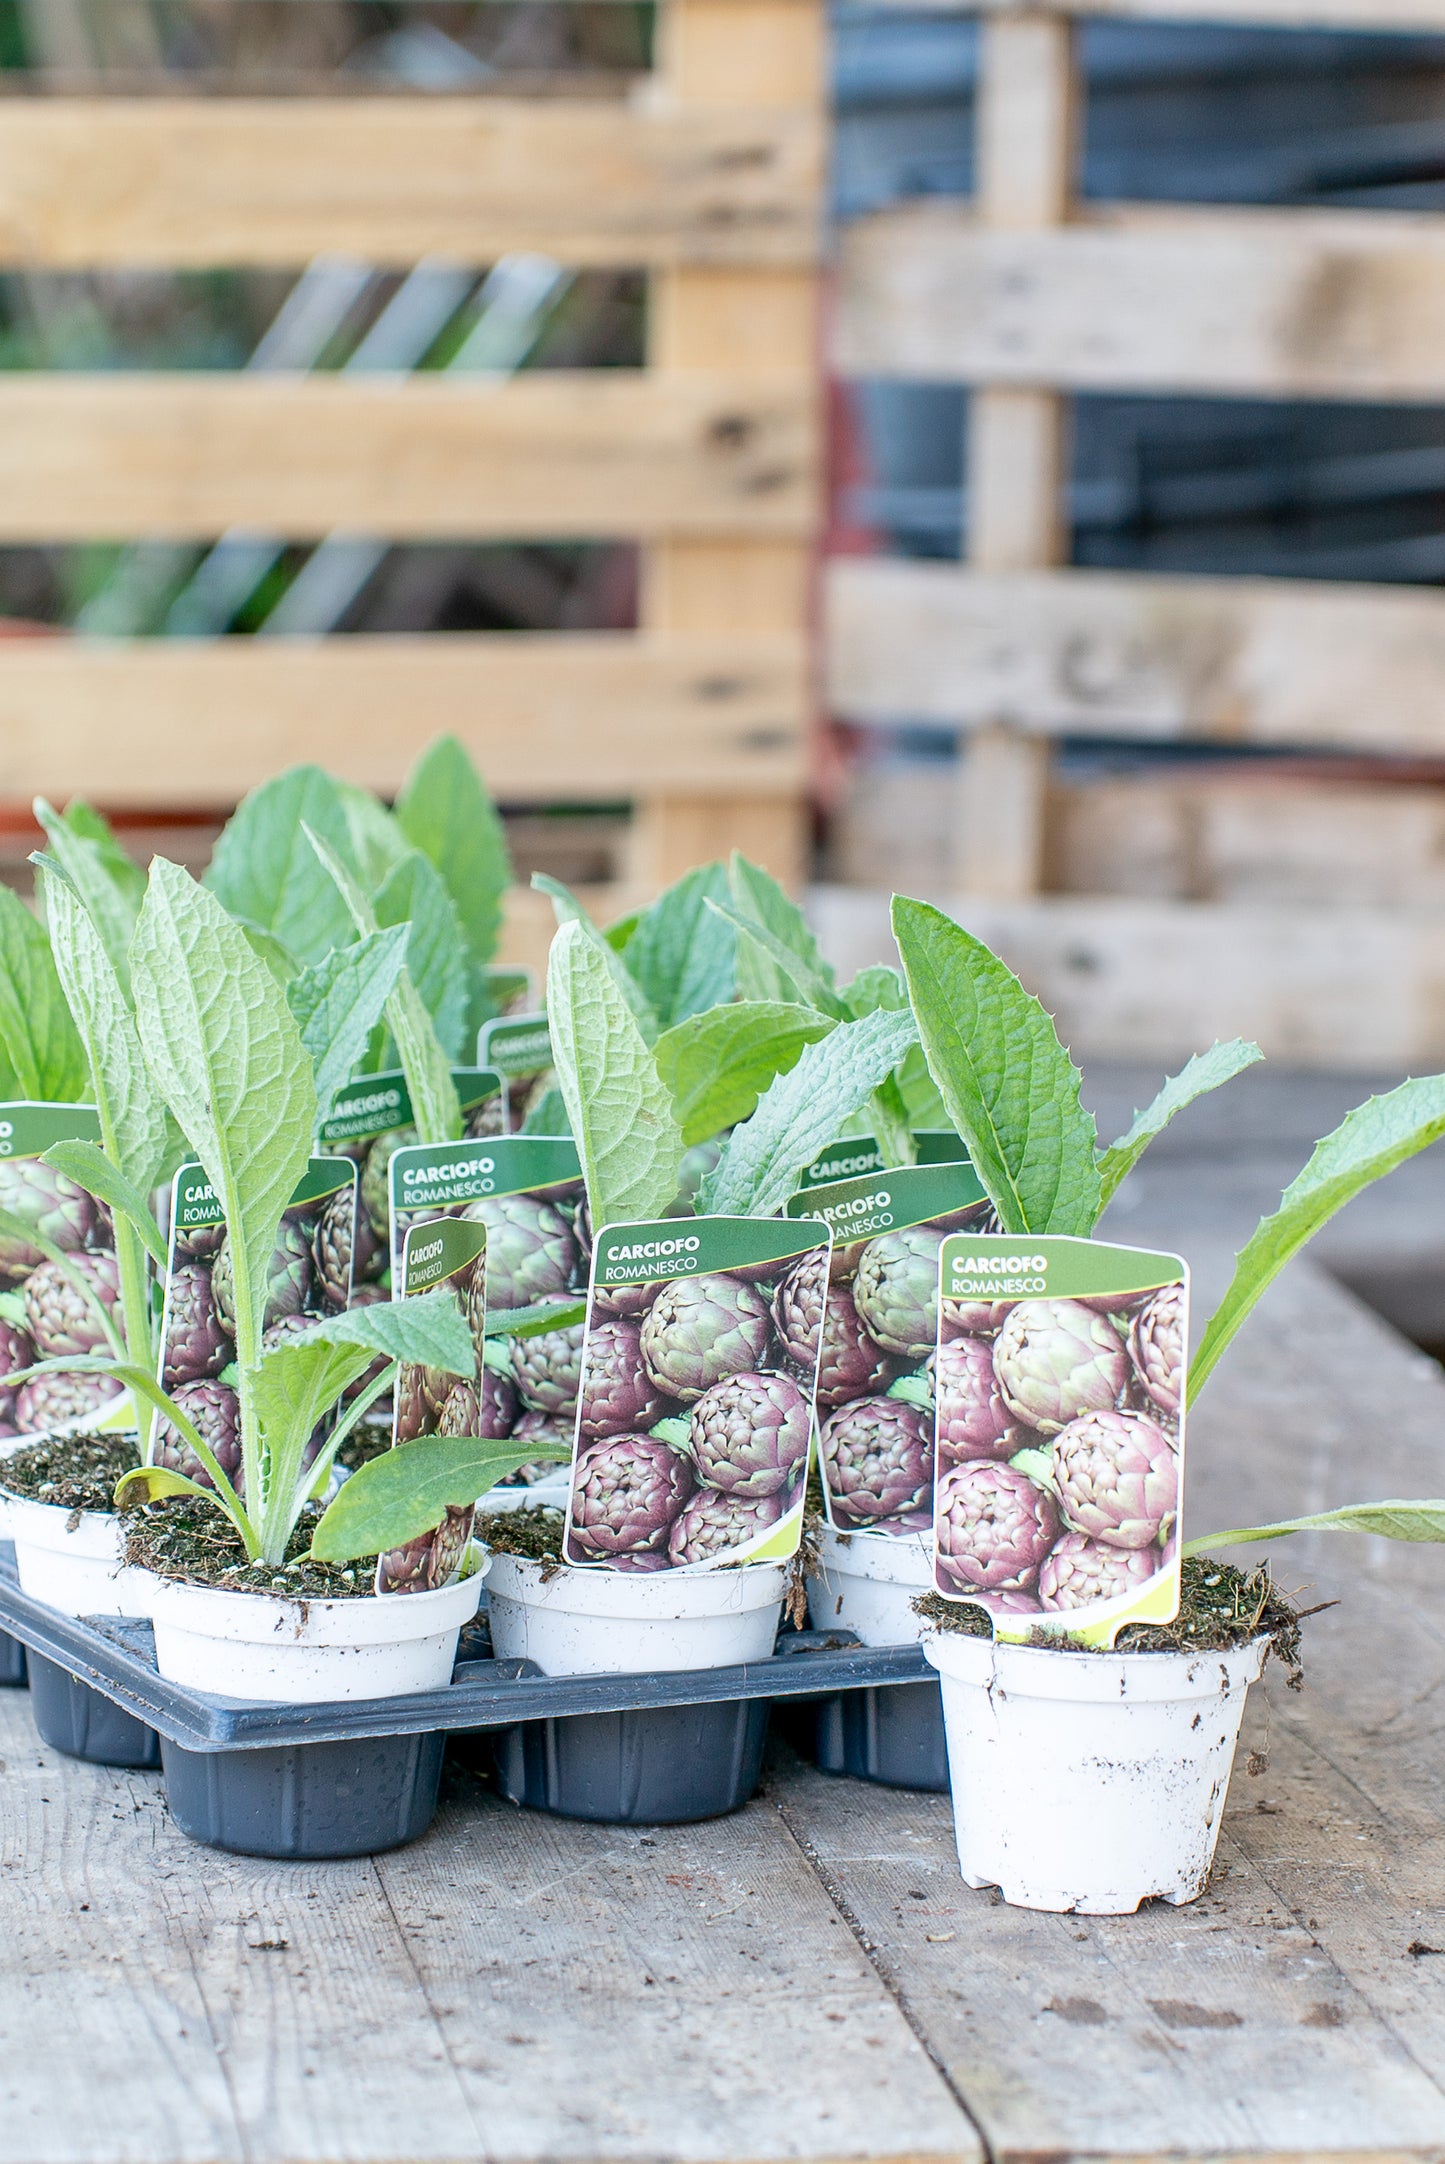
(1288, 304)
(595, 452)
(176, 182)
(1241, 661)
(581, 717)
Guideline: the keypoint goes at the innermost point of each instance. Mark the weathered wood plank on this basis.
(1263, 303)
(553, 453)
(1243, 661)
(578, 716)
(177, 182)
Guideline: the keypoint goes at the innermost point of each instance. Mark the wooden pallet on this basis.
(707, 177)
(1026, 295)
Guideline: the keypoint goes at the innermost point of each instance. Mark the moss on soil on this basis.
(194, 1541)
(74, 1472)
(1219, 1607)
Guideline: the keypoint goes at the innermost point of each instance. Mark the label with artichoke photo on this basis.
(527, 1191)
(372, 1118)
(1060, 1432)
(698, 1376)
(448, 1251)
(58, 1278)
(854, 1157)
(309, 1280)
(519, 1048)
(878, 1320)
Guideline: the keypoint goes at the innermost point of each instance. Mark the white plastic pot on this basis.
(301, 1652)
(613, 1622)
(868, 1583)
(75, 1560)
(1089, 1781)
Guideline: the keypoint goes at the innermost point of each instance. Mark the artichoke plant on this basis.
(16, 1352)
(1156, 1347)
(1078, 1571)
(1056, 1359)
(714, 1524)
(973, 1420)
(878, 1462)
(618, 1395)
(818, 1320)
(532, 1252)
(289, 1280)
(58, 1210)
(61, 1400)
(214, 1411)
(626, 1496)
(749, 1435)
(331, 1249)
(895, 1290)
(1117, 1476)
(60, 1320)
(700, 1330)
(994, 1528)
(197, 1346)
(547, 1371)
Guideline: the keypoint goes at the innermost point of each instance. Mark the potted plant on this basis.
(1087, 1773)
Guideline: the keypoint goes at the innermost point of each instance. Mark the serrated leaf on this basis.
(769, 969)
(537, 1320)
(801, 1114)
(377, 841)
(111, 887)
(1206, 1071)
(281, 962)
(1007, 1084)
(39, 1036)
(407, 1491)
(680, 952)
(620, 1112)
(427, 1330)
(265, 870)
(415, 896)
(1413, 1521)
(547, 1115)
(876, 986)
(338, 1001)
(91, 1169)
(715, 1065)
(568, 910)
(1369, 1142)
(444, 810)
(760, 901)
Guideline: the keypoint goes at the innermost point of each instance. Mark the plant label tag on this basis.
(54, 1240)
(856, 1156)
(879, 1327)
(372, 1118)
(699, 1372)
(512, 989)
(1060, 1433)
(309, 1279)
(449, 1251)
(526, 1192)
(519, 1048)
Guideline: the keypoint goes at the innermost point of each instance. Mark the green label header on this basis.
(889, 1201)
(852, 1156)
(430, 1175)
(376, 1104)
(28, 1128)
(521, 1044)
(1023, 1266)
(679, 1246)
(194, 1201)
(433, 1253)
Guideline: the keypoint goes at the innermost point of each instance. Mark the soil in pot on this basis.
(71, 1472)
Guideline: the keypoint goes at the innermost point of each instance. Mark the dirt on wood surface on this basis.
(74, 1472)
(195, 1541)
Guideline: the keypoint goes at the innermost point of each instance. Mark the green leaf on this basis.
(569, 910)
(547, 1115)
(680, 952)
(337, 1003)
(1418, 1521)
(35, 1022)
(407, 1491)
(715, 1065)
(266, 872)
(876, 986)
(427, 1330)
(783, 960)
(153, 1483)
(920, 1093)
(1369, 1142)
(769, 969)
(1206, 1071)
(434, 1107)
(620, 1112)
(1007, 1084)
(108, 883)
(415, 896)
(534, 1321)
(91, 1169)
(377, 842)
(620, 930)
(444, 810)
(801, 1114)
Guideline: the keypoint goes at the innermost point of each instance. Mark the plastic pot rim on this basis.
(1091, 1678)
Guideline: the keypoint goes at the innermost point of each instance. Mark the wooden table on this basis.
(809, 1979)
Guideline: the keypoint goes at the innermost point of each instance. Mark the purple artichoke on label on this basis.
(61, 1400)
(617, 1393)
(59, 1318)
(713, 1524)
(541, 1428)
(414, 1410)
(16, 1352)
(625, 1496)
(973, 1420)
(878, 1463)
(1056, 1359)
(850, 1365)
(1156, 1347)
(202, 1243)
(1079, 1571)
(56, 1209)
(289, 1279)
(497, 1406)
(460, 1413)
(532, 1252)
(980, 1318)
(472, 1291)
(895, 1290)
(700, 1330)
(547, 1371)
(994, 1529)
(197, 1346)
(331, 1249)
(285, 1329)
(1118, 1479)
(629, 1300)
(431, 1560)
(749, 1435)
(375, 1176)
(214, 1411)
